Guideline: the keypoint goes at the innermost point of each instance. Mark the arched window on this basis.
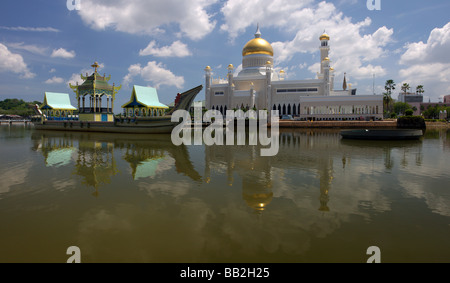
(294, 110)
(221, 109)
(289, 109)
(284, 109)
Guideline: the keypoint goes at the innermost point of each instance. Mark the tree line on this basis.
(16, 106)
(393, 109)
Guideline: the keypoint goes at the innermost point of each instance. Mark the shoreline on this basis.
(390, 124)
(338, 124)
(438, 125)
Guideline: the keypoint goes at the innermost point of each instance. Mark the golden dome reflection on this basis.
(258, 201)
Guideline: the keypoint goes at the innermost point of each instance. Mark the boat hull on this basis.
(381, 134)
(155, 126)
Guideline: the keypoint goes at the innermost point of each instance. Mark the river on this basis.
(139, 198)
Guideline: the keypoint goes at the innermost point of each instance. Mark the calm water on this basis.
(138, 198)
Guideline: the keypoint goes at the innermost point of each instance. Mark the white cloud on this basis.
(435, 50)
(32, 29)
(52, 70)
(351, 51)
(54, 80)
(13, 63)
(428, 63)
(149, 17)
(30, 48)
(177, 49)
(155, 73)
(240, 14)
(63, 53)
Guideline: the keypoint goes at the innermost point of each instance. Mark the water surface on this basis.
(139, 198)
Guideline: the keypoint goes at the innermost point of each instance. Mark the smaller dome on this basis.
(326, 59)
(282, 72)
(230, 66)
(324, 36)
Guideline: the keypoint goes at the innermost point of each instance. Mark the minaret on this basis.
(325, 66)
(207, 87)
(324, 47)
(230, 86)
(252, 96)
(331, 78)
(268, 101)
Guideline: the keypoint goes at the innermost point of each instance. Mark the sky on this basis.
(47, 44)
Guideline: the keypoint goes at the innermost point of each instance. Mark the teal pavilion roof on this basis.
(57, 101)
(144, 97)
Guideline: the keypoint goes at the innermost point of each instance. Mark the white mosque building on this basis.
(257, 86)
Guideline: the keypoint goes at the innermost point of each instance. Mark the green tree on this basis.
(387, 98)
(17, 107)
(405, 87)
(419, 89)
(401, 107)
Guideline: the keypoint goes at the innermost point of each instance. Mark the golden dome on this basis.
(257, 46)
(326, 59)
(282, 72)
(230, 66)
(208, 68)
(324, 37)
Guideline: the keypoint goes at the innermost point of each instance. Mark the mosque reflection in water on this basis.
(314, 153)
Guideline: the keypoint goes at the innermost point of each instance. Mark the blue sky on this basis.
(167, 44)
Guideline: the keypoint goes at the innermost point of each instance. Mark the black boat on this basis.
(382, 134)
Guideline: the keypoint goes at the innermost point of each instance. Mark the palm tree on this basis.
(387, 99)
(405, 87)
(389, 86)
(419, 89)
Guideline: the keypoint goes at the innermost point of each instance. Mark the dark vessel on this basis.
(382, 134)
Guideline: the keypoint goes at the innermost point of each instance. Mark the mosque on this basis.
(258, 86)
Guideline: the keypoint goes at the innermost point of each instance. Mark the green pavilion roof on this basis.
(57, 101)
(144, 97)
(101, 83)
(95, 85)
